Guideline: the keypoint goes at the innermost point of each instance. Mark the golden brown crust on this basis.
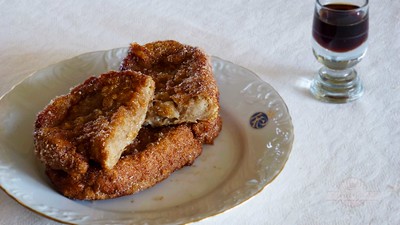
(186, 90)
(207, 131)
(151, 157)
(156, 153)
(96, 120)
(81, 136)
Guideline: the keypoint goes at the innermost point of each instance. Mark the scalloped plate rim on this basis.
(227, 208)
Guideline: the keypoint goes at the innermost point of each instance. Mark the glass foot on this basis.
(337, 86)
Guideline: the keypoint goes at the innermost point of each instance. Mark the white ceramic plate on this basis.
(251, 150)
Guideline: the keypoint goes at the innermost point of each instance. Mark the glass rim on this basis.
(361, 7)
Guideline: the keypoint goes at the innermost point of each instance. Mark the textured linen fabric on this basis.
(345, 162)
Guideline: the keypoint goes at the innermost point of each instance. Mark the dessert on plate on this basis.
(125, 131)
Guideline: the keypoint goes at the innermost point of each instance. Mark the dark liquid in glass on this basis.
(340, 29)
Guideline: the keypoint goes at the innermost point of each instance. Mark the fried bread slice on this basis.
(95, 121)
(186, 90)
(154, 154)
(151, 158)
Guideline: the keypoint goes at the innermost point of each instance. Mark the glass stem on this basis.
(337, 73)
(337, 86)
(339, 77)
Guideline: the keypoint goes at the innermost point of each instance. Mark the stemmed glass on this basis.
(340, 33)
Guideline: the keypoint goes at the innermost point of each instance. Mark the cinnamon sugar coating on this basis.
(126, 131)
(155, 154)
(207, 131)
(95, 121)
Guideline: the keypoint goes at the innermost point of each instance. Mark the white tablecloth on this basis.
(345, 163)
